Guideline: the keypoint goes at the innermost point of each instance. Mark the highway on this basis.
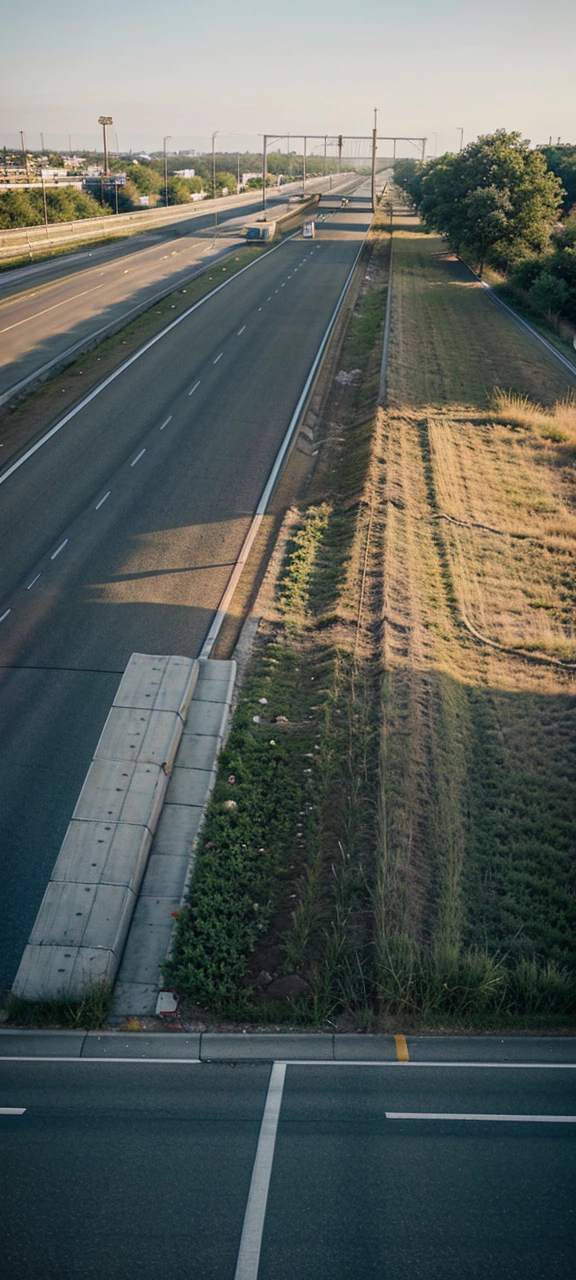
(238, 1170)
(49, 308)
(121, 531)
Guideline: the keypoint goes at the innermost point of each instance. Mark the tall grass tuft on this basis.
(557, 424)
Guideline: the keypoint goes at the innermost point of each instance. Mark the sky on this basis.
(246, 67)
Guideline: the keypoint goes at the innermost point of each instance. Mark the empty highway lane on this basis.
(247, 1171)
(120, 532)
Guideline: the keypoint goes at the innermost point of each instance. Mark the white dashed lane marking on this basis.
(137, 458)
(59, 549)
(102, 500)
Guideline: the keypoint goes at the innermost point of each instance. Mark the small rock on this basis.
(263, 702)
(256, 719)
(263, 979)
(229, 804)
(292, 987)
(281, 720)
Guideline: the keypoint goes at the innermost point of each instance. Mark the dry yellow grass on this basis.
(477, 622)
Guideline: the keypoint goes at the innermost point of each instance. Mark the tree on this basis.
(178, 192)
(548, 294)
(561, 160)
(147, 181)
(224, 179)
(496, 200)
(17, 210)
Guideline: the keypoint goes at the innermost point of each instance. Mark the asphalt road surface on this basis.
(47, 309)
(120, 533)
(236, 1171)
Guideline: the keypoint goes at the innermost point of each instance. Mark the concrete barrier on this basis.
(79, 934)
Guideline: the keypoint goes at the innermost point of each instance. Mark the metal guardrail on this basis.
(17, 241)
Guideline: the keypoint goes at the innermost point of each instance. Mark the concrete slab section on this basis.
(136, 1044)
(198, 752)
(177, 829)
(165, 875)
(207, 717)
(117, 792)
(135, 999)
(211, 691)
(84, 915)
(45, 973)
(41, 1044)
(103, 852)
(158, 683)
(190, 786)
(228, 1048)
(149, 939)
(144, 736)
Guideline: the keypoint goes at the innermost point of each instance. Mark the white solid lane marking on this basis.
(5, 614)
(59, 549)
(31, 584)
(165, 424)
(191, 392)
(218, 358)
(442, 1115)
(241, 330)
(12, 1111)
(251, 1241)
(137, 458)
(102, 500)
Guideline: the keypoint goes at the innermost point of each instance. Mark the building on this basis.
(185, 173)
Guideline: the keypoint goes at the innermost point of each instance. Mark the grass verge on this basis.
(404, 859)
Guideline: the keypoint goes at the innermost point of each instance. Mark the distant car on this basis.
(309, 230)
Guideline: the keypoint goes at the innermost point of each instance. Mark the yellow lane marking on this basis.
(401, 1049)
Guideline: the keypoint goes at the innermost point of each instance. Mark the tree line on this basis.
(503, 204)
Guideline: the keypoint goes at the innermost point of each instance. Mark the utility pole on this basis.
(42, 142)
(264, 171)
(304, 167)
(238, 177)
(325, 149)
(166, 139)
(44, 198)
(214, 136)
(24, 155)
(374, 143)
(340, 142)
(69, 144)
(461, 132)
(424, 141)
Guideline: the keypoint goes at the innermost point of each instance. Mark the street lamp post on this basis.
(104, 121)
(166, 139)
(214, 136)
(264, 171)
(461, 132)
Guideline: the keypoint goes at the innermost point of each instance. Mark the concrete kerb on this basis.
(300, 1047)
(171, 862)
(81, 927)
